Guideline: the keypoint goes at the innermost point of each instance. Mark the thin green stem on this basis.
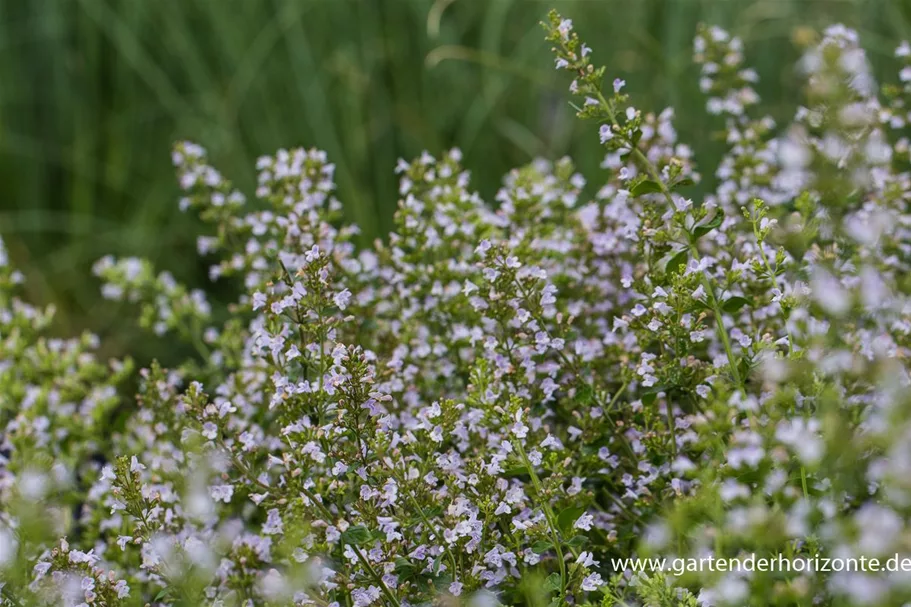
(617, 395)
(574, 366)
(632, 515)
(551, 520)
(719, 325)
(376, 576)
(653, 172)
(430, 527)
(772, 277)
(672, 427)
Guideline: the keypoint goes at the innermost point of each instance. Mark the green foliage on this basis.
(83, 157)
(509, 403)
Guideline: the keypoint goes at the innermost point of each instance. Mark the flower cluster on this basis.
(503, 399)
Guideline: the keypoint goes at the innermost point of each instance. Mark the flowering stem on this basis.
(652, 171)
(772, 277)
(428, 524)
(672, 427)
(551, 520)
(574, 365)
(722, 332)
(633, 516)
(616, 396)
(376, 576)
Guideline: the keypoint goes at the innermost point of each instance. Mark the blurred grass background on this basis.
(94, 92)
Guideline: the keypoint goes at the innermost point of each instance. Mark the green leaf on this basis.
(577, 542)
(702, 305)
(569, 516)
(584, 395)
(162, 594)
(516, 471)
(404, 569)
(645, 187)
(676, 262)
(685, 182)
(356, 535)
(442, 579)
(553, 582)
(541, 546)
(708, 226)
(734, 303)
(433, 511)
(649, 397)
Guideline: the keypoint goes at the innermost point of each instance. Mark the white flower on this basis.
(273, 524)
(682, 204)
(829, 293)
(221, 493)
(259, 300)
(586, 559)
(584, 522)
(122, 589)
(135, 466)
(209, 430)
(341, 299)
(592, 582)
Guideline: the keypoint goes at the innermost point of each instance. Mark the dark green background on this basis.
(94, 92)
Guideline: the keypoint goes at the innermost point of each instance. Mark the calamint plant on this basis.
(506, 400)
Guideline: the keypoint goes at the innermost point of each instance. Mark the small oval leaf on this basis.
(676, 262)
(356, 535)
(734, 303)
(569, 516)
(685, 182)
(540, 547)
(708, 226)
(645, 187)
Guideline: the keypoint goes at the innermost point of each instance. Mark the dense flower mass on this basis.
(504, 398)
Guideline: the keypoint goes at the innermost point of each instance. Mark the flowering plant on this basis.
(501, 400)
